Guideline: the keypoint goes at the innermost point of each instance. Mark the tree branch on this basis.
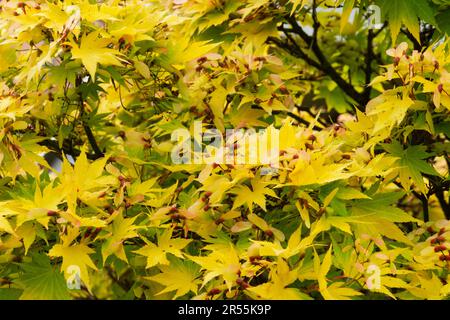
(324, 65)
(416, 44)
(294, 50)
(90, 136)
(290, 114)
(423, 199)
(67, 150)
(444, 205)
(368, 68)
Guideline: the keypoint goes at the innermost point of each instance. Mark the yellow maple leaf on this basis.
(84, 181)
(74, 255)
(257, 194)
(120, 230)
(277, 289)
(157, 254)
(224, 263)
(93, 50)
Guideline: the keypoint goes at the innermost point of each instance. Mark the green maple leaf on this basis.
(41, 281)
(382, 205)
(412, 164)
(406, 12)
(180, 276)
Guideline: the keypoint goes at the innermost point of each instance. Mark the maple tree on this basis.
(91, 92)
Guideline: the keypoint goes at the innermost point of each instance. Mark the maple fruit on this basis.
(92, 205)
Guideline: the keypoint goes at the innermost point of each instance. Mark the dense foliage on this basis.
(91, 92)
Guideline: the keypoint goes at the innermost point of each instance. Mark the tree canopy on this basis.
(356, 94)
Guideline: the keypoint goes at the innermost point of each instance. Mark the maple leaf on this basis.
(295, 245)
(120, 230)
(412, 164)
(93, 51)
(36, 209)
(180, 276)
(257, 194)
(84, 181)
(430, 288)
(74, 255)
(399, 11)
(157, 254)
(277, 289)
(315, 170)
(224, 263)
(41, 281)
(264, 226)
(335, 290)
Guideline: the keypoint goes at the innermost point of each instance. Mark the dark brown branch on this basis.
(90, 136)
(324, 65)
(294, 50)
(416, 43)
(423, 199)
(444, 205)
(290, 114)
(380, 30)
(426, 214)
(368, 68)
(98, 153)
(438, 187)
(65, 149)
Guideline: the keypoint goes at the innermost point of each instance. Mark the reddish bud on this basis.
(396, 61)
(51, 213)
(242, 283)
(269, 232)
(436, 64)
(346, 156)
(284, 90)
(214, 291)
(177, 216)
(202, 60)
(254, 259)
(309, 146)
